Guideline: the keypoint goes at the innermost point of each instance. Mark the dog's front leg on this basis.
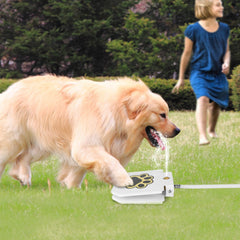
(103, 165)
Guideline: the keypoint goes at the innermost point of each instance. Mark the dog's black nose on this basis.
(177, 131)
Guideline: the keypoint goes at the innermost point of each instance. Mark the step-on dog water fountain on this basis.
(151, 187)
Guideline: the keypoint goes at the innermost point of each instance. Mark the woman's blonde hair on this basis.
(203, 9)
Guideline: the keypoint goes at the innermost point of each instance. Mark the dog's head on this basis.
(149, 113)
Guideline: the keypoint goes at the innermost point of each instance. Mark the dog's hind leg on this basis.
(6, 156)
(63, 172)
(21, 170)
(71, 176)
(2, 167)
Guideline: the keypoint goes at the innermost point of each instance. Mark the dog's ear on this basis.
(135, 103)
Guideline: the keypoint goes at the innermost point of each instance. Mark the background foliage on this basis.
(99, 37)
(61, 37)
(184, 100)
(236, 88)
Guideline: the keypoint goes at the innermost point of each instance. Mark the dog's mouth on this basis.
(154, 138)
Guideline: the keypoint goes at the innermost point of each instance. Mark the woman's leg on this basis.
(201, 118)
(214, 111)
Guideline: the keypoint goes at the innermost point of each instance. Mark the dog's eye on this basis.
(163, 115)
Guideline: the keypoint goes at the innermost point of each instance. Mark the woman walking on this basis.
(207, 45)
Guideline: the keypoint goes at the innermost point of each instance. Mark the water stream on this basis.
(158, 156)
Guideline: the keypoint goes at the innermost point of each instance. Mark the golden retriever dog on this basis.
(90, 126)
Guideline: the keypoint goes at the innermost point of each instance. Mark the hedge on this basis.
(235, 97)
(184, 100)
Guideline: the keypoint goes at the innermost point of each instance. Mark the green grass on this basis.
(36, 213)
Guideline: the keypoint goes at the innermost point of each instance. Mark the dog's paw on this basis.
(112, 172)
(25, 180)
(69, 184)
(123, 181)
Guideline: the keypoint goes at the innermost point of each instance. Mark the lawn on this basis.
(90, 213)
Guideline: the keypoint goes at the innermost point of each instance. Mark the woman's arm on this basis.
(226, 60)
(185, 58)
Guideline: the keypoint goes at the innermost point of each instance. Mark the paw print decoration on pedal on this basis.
(149, 187)
(141, 181)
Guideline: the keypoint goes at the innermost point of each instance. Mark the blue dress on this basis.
(206, 76)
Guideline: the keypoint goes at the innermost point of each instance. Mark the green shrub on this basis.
(10, 74)
(235, 97)
(184, 100)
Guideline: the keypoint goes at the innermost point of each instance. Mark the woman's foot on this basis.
(212, 135)
(203, 142)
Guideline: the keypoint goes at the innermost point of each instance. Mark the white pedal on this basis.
(150, 187)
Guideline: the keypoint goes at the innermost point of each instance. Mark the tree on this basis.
(231, 17)
(169, 15)
(99, 37)
(148, 48)
(153, 42)
(61, 37)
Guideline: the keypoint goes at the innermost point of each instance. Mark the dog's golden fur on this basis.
(90, 126)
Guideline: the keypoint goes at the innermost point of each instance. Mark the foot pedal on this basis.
(150, 187)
